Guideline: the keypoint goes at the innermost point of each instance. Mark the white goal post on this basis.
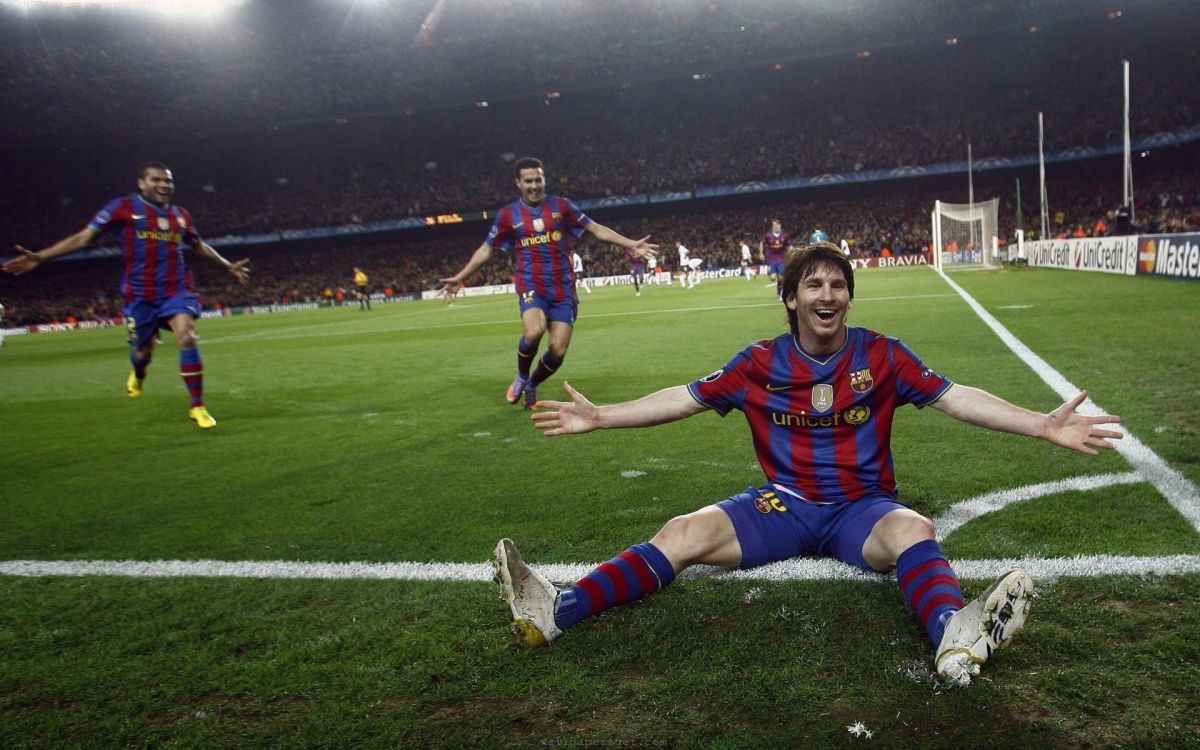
(965, 234)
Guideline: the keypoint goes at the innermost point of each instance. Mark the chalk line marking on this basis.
(804, 569)
(968, 510)
(1175, 487)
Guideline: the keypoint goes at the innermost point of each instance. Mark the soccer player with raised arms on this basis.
(535, 228)
(159, 293)
(819, 401)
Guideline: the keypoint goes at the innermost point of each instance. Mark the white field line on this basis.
(1175, 487)
(804, 569)
(968, 510)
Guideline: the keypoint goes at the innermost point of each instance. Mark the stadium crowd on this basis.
(873, 225)
(309, 115)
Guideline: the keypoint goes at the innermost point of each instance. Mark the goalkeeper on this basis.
(820, 402)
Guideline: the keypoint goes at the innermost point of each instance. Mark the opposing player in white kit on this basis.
(581, 278)
(747, 271)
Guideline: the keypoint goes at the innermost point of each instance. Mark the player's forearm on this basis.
(210, 252)
(67, 245)
(982, 409)
(481, 256)
(611, 236)
(667, 405)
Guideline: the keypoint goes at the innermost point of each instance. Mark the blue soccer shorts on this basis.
(144, 318)
(772, 527)
(775, 269)
(562, 311)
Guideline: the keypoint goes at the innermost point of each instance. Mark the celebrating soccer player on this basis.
(155, 281)
(820, 402)
(535, 227)
(772, 250)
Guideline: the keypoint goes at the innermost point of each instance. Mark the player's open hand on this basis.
(566, 417)
(450, 289)
(643, 248)
(25, 262)
(241, 271)
(1078, 432)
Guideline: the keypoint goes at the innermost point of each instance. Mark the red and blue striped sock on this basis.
(637, 572)
(930, 586)
(525, 354)
(192, 370)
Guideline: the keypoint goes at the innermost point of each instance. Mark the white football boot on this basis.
(984, 625)
(528, 593)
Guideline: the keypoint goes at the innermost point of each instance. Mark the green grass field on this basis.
(383, 437)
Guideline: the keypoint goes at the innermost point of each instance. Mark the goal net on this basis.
(965, 235)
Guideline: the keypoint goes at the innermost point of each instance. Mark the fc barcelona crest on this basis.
(539, 226)
(861, 381)
(822, 396)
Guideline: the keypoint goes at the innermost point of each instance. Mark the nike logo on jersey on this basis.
(776, 388)
(137, 217)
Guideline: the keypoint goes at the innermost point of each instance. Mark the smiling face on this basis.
(157, 185)
(819, 287)
(531, 181)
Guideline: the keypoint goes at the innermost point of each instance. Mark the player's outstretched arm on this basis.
(451, 284)
(27, 261)
(641, 247)
(1063, 427)
(240, 269)
(580, 415)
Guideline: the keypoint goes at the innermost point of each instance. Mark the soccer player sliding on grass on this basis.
(819, 401)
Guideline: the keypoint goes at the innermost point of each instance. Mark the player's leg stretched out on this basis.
(738, 533)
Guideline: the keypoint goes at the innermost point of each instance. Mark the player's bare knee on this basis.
(902, 529)
(894, 533)
(185, 339)
(678, 541)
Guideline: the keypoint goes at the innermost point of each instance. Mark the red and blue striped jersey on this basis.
(152, 239)
(775, 246)
(538, 235)
(822, 428)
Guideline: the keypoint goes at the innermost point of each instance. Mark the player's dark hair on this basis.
(151, 165)
(527, 162)
(808, 260)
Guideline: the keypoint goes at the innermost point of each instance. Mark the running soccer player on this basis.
(580, 274)
(158, 288)
(688, 268)
(772, 250)
(535, 228)
(361, 290)
(1, 324)
(637, 269)
(747, 271)
(819, 401)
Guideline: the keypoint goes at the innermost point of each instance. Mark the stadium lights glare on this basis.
(190, 8)
(205, 5)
